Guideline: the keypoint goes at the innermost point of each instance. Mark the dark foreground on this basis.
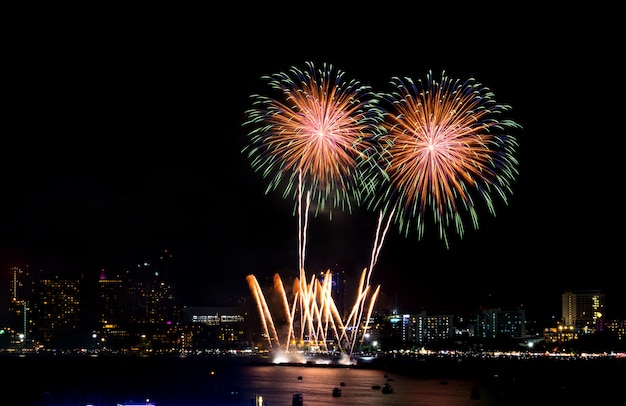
(515, 381)
(82, 380)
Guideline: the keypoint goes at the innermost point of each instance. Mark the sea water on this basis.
(191, 381)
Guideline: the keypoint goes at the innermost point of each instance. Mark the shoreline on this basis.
(428, 366)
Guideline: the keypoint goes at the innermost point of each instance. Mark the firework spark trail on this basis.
(309, 320)
(378, 243)
(319, 314)
(331, 319)
(323, 296)
(354, 317)
(357, 313)
(301, 227)
(279, 287)
(303, 221)
(317, 307)
(443, 141)
(292, 318)
(369, 313)
(266, 315)
(338, 326)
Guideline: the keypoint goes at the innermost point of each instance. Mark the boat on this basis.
(297, 400)
(376, 387)
(336, 392)
(386, 389)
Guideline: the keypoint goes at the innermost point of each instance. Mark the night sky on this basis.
(123, 137)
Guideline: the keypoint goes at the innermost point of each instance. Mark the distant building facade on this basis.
(583, 309)
(497, 323)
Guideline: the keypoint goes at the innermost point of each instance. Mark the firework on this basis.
(435, 146)
(315, 137)
(445, 151)
(317, 142)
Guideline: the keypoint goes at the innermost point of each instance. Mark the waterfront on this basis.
(190, 381)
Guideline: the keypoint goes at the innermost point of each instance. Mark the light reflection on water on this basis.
(108, 381)
(61, 381)
(277, 384)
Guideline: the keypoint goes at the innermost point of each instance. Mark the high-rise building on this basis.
(423, 328)
(56, 311)
(501, 323)
(582, 309)
(20, 291)
(112, 315)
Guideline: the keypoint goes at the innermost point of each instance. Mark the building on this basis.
(20, 292)
(422, 328)
(496, 324)
(56, 312)
(582, 310)
(216, 327)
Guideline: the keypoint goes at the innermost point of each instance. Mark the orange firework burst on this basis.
(315, 136)
(443, 147)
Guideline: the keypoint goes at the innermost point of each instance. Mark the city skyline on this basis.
(166, 265)
(124, 145)
(140, 308)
